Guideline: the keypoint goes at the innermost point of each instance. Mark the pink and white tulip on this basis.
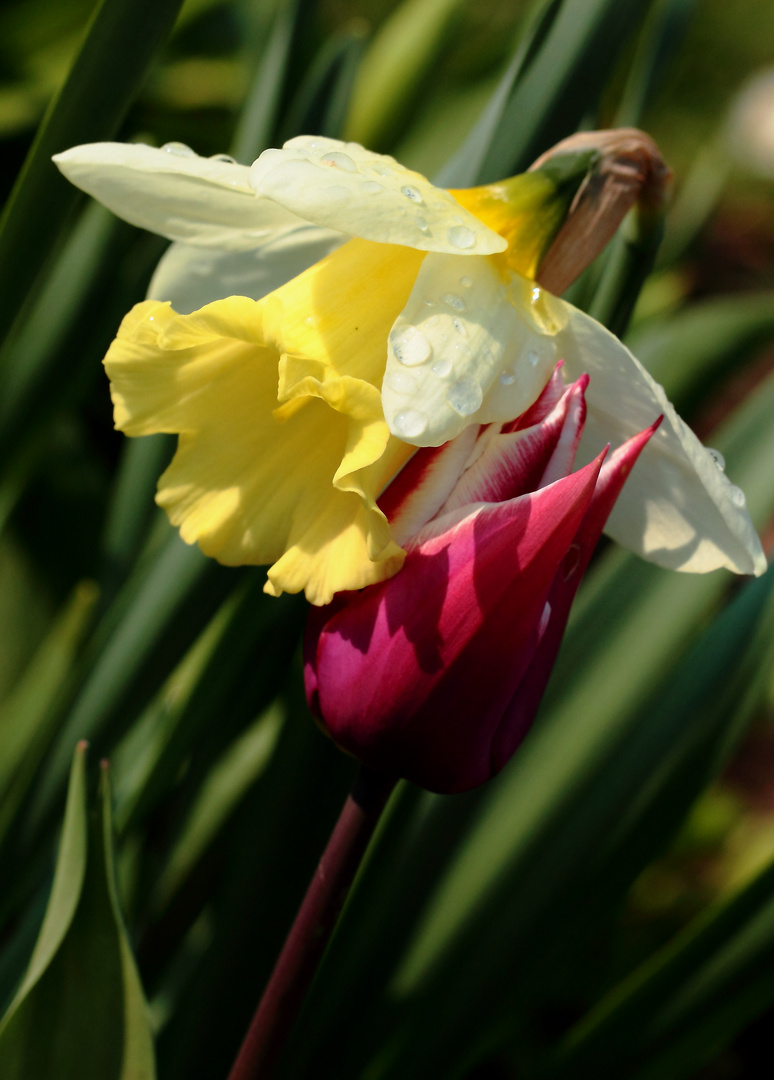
(437, 673)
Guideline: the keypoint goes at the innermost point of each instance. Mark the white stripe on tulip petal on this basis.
(418, 493)
(467, 348)
(176, 193)
(343, 186)
(677, 509)
(190, 277)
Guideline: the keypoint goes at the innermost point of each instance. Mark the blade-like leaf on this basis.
(120, 43)
(26, 718)
(554, 80)
(400, 56)
(79, 1013)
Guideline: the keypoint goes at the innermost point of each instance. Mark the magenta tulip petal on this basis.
(545, 404)
(419, 688)
(520, 714)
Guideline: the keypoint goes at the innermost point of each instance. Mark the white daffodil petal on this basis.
(467, 348)
(342, 186)
(191, 277)
(176, 193)
(677, 509)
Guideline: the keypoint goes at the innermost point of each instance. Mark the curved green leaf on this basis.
(79, 1013)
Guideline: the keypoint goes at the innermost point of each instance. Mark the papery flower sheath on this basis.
(295, 409)
(436, 674)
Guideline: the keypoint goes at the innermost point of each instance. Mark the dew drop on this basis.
(409, 423)
(465, 396)
(178, 149)
(410, 346)
(442, 367)
(371, 187)
(411, 193)
(453, 301)
(227, 159)
(717, 458)
(535, 295)
(466, 282)
(337, 160)
(338, 191)
(402, 382)
(429, 303)
(421, 223)
(533, 358)
(737, 496)
(461, 237)
(507, 378)
(459, 327)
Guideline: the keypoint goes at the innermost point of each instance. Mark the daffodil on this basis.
(297, 402)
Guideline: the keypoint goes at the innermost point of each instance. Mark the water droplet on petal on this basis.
(178, 149)
(718, 458)
(337, 160)
(442, 367)
(466, 281)
(535, 294)
(410, 346)
(338, 191)
(402, 382)
(421, 223)
(465, 396)
(737, 496)
(533, 358)
(459, 327)
(453, 301)
(411, 193)
(507, 378)
(227, 159)
(409, 423)
(461, 237)
(370, 187)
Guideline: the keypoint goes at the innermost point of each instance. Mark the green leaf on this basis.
(79, 1013)
(258, 119)
(120, 43)
(323, 99)
(30, 351)
(400, 56)
(554, 80)
(28, 717)
(223, 789)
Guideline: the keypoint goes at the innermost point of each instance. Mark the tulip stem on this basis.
(304, 946)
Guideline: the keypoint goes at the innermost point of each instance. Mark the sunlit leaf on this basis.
(79, 1013)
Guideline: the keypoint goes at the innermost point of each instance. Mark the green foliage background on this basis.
(604, 908)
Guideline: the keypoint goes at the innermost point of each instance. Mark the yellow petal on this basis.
(283, 446)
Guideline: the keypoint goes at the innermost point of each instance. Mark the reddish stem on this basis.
(314, 923)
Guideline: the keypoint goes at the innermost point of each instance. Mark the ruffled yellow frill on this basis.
(283, 447)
